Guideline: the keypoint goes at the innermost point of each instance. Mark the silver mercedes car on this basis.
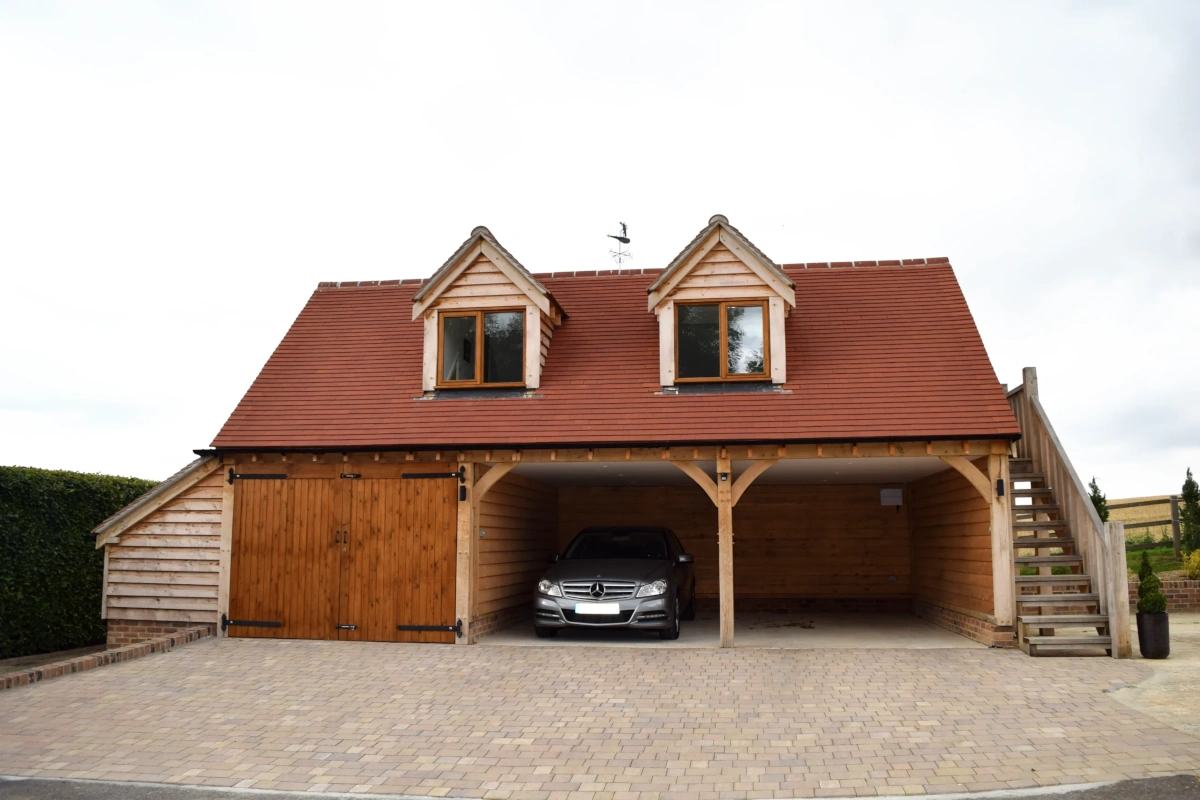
(618, 577)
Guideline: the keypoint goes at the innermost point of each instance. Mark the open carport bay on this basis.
(817, 541)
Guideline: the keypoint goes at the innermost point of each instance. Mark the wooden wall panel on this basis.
(803, 541)
(482, 285)
(951, 543)
(518, 518)
(166, 566)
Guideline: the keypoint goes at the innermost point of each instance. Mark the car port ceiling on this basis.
(787, 471)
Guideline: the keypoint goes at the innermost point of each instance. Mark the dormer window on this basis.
(722, 341)
(495, 358)
(488, 321)
(722, 308)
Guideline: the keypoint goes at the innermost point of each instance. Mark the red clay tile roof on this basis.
(876, 351)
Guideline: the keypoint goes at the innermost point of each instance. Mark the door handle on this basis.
(346, 627)
(336, 536)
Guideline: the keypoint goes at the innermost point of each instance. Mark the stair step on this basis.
(1040, 508)
(1049, 580)
(1039, 525)
(1081, 599)
(1039, 492)
(1033, 542)
(1069, 641)
(1027, 476)
(1048, 560)
(1050, 620)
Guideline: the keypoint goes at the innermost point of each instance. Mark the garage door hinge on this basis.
(256, 476)
(250, 623)
(456, 628)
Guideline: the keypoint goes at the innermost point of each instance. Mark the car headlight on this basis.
(652, 589)
(552, 589)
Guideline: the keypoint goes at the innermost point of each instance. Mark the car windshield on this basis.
(619, 544)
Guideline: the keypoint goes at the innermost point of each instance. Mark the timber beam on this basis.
(966, 448)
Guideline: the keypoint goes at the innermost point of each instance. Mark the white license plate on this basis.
(598, 608)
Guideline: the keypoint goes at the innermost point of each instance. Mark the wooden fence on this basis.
(1174, 501)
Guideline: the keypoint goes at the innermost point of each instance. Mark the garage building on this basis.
(825, 435)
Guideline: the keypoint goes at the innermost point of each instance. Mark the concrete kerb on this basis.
(201, 791)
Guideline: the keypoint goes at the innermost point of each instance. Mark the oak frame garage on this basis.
(320, 552)
(848, 362)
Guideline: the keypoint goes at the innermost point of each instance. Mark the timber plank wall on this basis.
(166, 567)
(795, 541)
(951, 542)
(518, 521)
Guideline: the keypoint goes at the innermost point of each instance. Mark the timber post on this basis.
(1003, 580)
(1176, 533)
(1118, 588)
(725, 543)
(225, 557)
(466, 554)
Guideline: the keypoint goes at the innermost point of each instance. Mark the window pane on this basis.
(744, 329)
(458, 349)
(699, 341)
(503, 333)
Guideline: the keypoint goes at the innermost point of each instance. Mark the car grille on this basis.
(598, 619)
(613, 590)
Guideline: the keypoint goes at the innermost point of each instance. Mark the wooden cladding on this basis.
(166, 567)
(518, 532)
(797, 541)
(341, 558)
(952, 542)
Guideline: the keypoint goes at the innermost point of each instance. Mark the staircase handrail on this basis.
(1100, 544)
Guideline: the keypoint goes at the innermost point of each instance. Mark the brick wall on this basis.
(981, 630)
(499, 620)
(123, 632)
(1182, 595)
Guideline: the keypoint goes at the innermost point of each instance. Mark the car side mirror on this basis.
(552, 559)
(686, 558)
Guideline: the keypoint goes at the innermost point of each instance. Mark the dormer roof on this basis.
(719, 231)
(481, 241)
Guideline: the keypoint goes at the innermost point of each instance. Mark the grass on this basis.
(1162, 559)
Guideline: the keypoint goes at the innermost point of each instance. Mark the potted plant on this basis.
(1153, 634)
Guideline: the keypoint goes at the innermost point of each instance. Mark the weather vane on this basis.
(621, 255)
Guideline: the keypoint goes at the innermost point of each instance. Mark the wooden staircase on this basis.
(1055, 612)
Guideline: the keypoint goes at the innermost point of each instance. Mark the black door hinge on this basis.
(256, 476)
(460, 475)
(249, 623)
(456, 628)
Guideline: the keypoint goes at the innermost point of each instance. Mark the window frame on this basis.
(725, 375)
(477, 381)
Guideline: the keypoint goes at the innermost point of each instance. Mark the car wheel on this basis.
(673, 631)
(689, 613)
(545, 633)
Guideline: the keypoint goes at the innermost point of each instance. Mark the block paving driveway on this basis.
(542, 722)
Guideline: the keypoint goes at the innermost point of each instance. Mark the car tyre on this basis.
(673, 631)
(545, 633)
(689, 613)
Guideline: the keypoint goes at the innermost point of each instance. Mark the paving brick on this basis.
(528, 723)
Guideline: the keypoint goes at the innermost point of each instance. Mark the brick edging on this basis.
(45, 672)
(1181, 594)
(972, 627)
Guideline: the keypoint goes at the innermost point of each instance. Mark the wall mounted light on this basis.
(724, 476)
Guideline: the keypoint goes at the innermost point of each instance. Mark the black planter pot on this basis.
(1154, 638)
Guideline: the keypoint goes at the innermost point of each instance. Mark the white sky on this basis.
(175, 179)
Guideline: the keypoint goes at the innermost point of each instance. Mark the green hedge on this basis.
(50, 569)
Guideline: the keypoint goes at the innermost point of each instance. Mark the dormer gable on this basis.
(469, 309)
(724, 287)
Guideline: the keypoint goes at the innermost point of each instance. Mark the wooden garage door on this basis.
(344, 558)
